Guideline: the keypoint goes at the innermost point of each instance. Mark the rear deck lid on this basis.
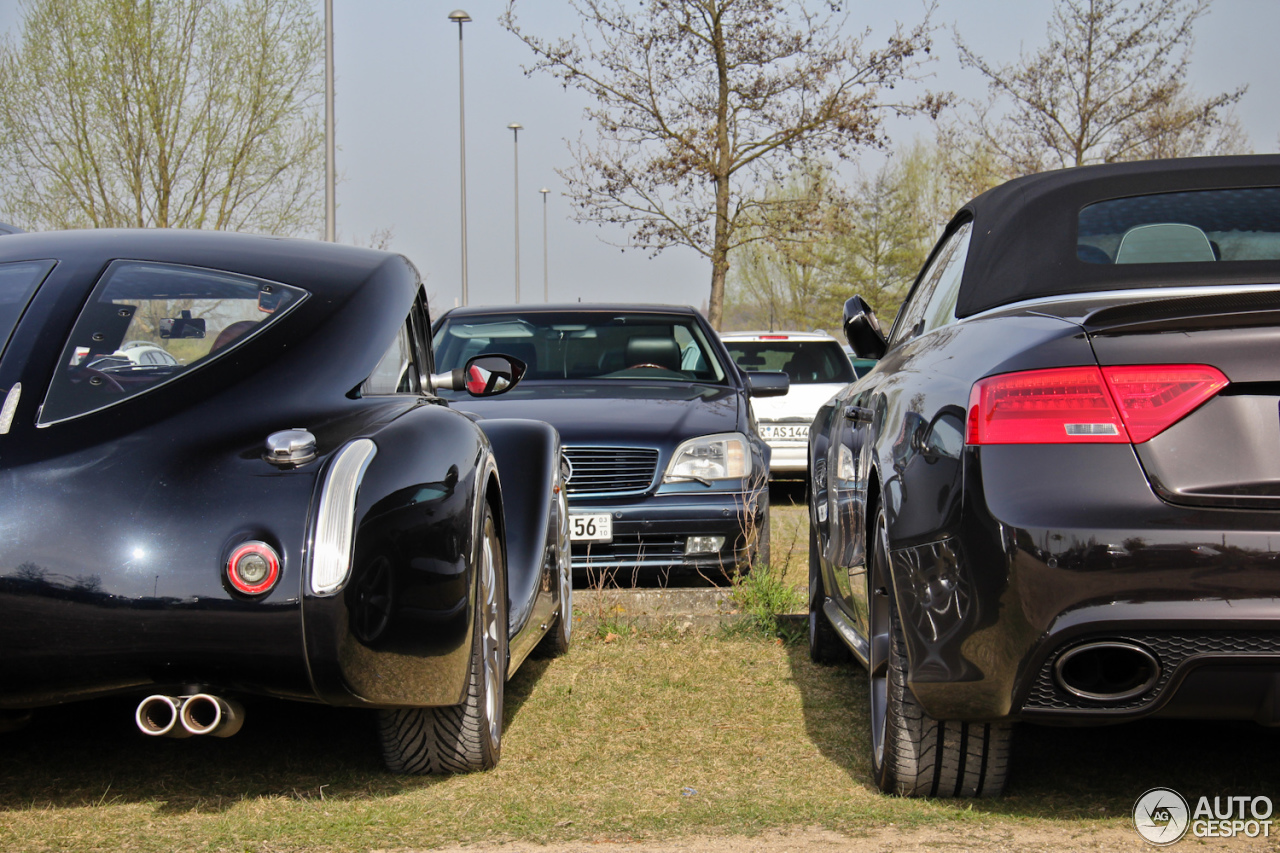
(1225, 453)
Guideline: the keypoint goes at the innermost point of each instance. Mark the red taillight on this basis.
(1154, 397)
(1072, 405)
(253, 568)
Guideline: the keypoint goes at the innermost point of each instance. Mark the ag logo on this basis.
(1161, 816)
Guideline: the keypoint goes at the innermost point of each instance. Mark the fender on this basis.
(397, 633)
(528, 457)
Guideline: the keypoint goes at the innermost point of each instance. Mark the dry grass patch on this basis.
(637, 738)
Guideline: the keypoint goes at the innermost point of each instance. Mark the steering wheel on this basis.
(111, 381)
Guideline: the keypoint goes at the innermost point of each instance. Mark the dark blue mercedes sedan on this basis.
(665, 472)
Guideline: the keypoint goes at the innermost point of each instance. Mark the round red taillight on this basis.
(253, 568)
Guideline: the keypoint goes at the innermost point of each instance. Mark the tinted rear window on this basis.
(146, 324)
(806, 362)
(18, 283)
(1202, 226)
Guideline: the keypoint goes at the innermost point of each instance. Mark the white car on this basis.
(818, 368)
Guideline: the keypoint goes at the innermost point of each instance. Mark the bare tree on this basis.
(701, 104)
(1108, 86)
(163, 113)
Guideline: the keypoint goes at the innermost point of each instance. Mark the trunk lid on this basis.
(1226, 453)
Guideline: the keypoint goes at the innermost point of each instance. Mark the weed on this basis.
(764, 595)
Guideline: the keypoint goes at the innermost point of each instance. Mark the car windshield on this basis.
(806, 362)
(1205, 225)
(584, 345)
(146, 324)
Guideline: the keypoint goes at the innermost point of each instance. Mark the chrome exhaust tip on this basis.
(206, 714)
(158, 716)
(1110, 671)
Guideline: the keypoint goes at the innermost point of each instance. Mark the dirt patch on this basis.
(888, 839)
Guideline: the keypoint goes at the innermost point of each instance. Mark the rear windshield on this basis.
(1202, 226)
(146, 324)
(18, 283)
(587, 345)
(806, 362)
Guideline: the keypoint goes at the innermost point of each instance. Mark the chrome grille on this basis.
(610, 470)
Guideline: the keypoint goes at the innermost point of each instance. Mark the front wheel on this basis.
(467, 737)
(556, 641)
(912, 754)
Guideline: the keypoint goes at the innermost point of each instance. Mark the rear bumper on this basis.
(788, 457)
(650, 532)
(1031, 573)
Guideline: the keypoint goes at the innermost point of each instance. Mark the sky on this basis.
(396, 95)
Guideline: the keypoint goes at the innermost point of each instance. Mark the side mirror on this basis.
(483, 375)
(767, 383)
(862, 329)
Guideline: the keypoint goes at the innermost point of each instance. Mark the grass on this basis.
(633, 735)
(635, 738)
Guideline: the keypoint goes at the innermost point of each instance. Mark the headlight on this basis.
(711, 457)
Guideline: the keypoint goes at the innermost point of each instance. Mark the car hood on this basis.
(800, 403)
(624, 413)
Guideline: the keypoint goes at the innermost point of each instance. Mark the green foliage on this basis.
(163, 113)
(764, 595)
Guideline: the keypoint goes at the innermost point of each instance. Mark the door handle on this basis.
(857, 414)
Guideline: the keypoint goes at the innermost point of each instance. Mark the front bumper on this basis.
(650, 531)
(1031, 573)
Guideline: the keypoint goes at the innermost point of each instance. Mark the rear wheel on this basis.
(467, 737)
(825, 646)
(912, 754)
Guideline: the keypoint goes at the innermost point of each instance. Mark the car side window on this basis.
(397, 371)
(941, 309)
(147, 324)
(945, 268)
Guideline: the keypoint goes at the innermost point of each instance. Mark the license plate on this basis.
(591, 528)
(784, 432)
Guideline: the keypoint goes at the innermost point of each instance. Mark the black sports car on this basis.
(664, 468)
(1057, 497)
(280, 505)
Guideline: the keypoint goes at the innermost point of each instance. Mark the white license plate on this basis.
(591, 528)
(784, 432)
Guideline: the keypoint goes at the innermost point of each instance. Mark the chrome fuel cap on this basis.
(290, 447)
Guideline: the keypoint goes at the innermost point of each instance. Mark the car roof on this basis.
(569, 308)
(1024, 240)
(775, 336)
(324, 269)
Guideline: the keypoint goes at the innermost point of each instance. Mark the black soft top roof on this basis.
(1024, 236)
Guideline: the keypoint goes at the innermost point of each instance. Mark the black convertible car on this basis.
(664, 468)
(273, 502)
(1057, 496)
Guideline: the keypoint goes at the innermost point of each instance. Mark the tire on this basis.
(467, 737)
(825, 645)
(912, 754)
(556, 641)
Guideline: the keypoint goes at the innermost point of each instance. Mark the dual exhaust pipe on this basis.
(184, 716)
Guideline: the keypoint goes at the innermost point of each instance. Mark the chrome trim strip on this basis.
(335, 519)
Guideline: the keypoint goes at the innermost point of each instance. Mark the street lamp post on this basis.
(546, 288)
(330, 168)
(461, 18)
(515, 127)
